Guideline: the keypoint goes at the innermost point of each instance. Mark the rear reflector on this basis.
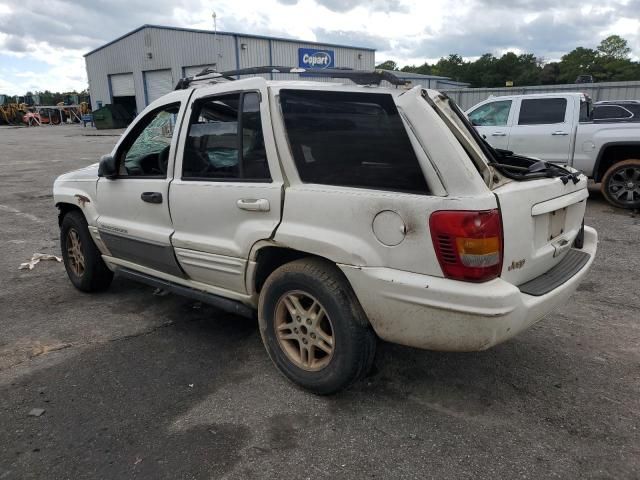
(468, 244)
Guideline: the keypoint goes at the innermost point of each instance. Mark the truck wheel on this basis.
(621, 184)
(82, 260)
(314, 328)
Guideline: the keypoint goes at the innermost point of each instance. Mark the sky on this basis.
(42, 43)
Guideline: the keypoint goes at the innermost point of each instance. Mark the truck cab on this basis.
(540, 126)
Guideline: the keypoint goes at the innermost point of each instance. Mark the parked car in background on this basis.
(584, 79)
(339, 213)
(616, 111)
(559, 128)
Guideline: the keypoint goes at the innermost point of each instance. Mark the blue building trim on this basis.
(193, 30)
(271, 56)
(235, 39)
(144, 88)
(110, 90)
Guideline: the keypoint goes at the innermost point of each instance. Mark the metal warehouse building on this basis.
(139, 67)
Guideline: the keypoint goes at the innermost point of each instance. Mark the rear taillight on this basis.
(468, 244)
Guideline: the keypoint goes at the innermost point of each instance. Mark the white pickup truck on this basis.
(558, 128)
(339, 213)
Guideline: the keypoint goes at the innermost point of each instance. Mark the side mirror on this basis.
(108, 167)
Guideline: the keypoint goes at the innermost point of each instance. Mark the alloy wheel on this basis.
(624, 185)
(304, 330)
(75, 256)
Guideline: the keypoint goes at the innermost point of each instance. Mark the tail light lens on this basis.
(468, 244)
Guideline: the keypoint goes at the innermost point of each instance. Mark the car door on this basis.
(227, 190)
(134, 221)
(543, 128)
(493, 121)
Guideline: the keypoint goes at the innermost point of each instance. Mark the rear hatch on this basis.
(542, 205)
(540, 221)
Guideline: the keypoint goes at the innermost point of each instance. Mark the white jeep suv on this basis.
(340, 213)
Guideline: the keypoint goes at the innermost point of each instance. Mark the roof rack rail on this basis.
(361, 77)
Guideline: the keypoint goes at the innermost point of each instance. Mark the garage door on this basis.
(122, 85)
(191, 71)
(158, 83)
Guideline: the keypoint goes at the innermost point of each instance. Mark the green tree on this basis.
(388, 65)
(453, 67)
(579, 61)
(609, 62)
(482, 72)
(424, 69)
(614, 47)
(550, 73)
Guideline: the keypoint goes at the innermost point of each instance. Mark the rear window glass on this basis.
(541, 111)
(350, 139)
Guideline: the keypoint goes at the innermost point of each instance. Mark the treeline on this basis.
(609, 62)
(47, 97)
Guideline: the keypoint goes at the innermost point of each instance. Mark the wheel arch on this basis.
(612, 153)
(266, 257)
(64, 208)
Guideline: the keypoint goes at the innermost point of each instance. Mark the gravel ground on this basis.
(137, 385)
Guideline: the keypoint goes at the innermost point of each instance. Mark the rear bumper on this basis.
(441, 314)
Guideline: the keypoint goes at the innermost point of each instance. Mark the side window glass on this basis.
(225, 140)
(212, 146)
(254, 155)
(602, 112)
(494, 114)
(541, 111)
(147, 155)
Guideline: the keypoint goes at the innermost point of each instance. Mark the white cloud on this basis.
(47, 40)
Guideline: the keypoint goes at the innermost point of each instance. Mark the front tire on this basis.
(621, 184)
(82, 260)
(314, 328)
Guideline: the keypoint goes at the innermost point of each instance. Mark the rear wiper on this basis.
(552, 171)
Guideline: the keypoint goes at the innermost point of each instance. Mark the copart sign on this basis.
(313, 58)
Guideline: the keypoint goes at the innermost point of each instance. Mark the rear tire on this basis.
(82, 259)
(314, 328)
(621, 184)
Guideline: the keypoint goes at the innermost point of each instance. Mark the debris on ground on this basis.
(37, 258)
(36, 412)
(160, 292)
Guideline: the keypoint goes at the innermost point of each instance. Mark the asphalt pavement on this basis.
(136, 385)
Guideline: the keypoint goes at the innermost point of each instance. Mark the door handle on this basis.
(254, 204)
(560, 133)
(498, 134)
(151, 197)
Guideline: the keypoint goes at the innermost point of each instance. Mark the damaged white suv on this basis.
(340, 213)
